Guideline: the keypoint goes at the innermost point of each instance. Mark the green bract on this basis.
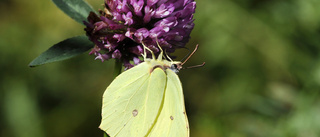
(63, 50)
(76, 9)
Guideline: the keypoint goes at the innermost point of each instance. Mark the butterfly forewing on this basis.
(132, 102)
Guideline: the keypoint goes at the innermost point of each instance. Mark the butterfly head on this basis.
(163, 63)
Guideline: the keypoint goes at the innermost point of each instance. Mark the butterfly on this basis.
(146, 100)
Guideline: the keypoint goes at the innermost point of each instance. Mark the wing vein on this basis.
(160, 109)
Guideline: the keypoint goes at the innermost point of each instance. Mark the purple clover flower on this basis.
(124, 24)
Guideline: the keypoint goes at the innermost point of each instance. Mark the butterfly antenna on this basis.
(187, 54)
(196, 66)
(161, 51)
(195, 49)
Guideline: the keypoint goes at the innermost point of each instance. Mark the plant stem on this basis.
(117, 68)
(105, 134)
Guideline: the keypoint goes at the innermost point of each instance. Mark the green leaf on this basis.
(76, 9)
(64, 50)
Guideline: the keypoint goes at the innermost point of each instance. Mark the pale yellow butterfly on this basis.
(146, 100)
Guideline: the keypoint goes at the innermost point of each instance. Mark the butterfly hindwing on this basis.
(172, 121)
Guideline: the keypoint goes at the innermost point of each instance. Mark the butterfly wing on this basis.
(172, 121)
(132, 102)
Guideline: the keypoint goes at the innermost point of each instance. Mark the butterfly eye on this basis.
(174, 66)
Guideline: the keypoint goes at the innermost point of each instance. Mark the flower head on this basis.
(124, 25)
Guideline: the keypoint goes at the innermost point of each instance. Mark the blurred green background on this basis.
(261, 79)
